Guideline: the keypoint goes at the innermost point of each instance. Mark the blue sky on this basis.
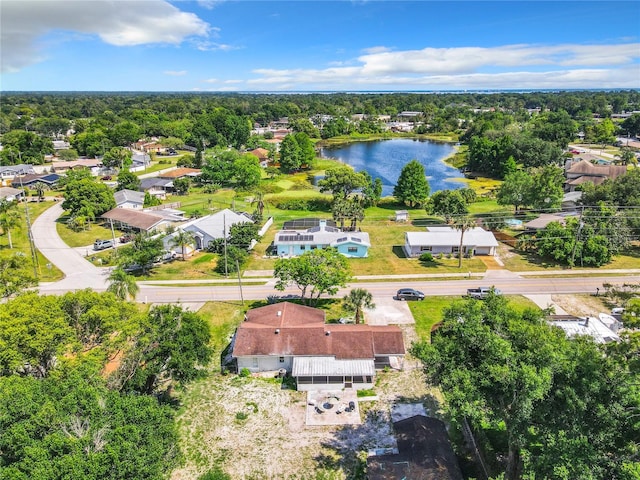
(156, 45)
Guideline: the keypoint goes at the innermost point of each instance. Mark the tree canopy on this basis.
(506, 369)
(412, 188)
(315, 272)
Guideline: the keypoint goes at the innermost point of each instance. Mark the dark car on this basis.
(409, 294)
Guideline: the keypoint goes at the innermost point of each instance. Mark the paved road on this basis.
(509, 285)
(79, 273)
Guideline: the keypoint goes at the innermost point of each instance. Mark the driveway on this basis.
(79, 273)
(389, 311)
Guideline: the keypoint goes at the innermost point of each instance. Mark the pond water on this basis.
(385, 159)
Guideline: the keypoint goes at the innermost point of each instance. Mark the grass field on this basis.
(47, 272)
(84, 237)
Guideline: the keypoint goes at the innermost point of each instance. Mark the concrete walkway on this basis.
(79, 273)
(545, 301)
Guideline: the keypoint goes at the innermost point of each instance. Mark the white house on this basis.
(207, 229)
(129, 199)
(295, 338)
(444, 239)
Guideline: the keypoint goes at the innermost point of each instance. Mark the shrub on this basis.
(309, 205)
(215, 474)
(211, 188)
(245, 372)
(426, 258)
(242, 416)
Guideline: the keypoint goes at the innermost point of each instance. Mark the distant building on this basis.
(207, 229)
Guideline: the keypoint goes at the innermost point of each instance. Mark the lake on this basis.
(385, 159)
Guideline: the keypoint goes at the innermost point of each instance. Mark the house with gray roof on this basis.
(291, 243)
(10, 194)
(446, 240)
(129, 199)
(8, 172)
(207, 229)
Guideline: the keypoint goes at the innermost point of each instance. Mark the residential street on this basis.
(79, 273)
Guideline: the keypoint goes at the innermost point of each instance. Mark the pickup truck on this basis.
(482, 292)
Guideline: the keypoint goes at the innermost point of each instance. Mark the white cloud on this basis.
(175, 73)
(209, 4)
(206, 46)
(121, 23)
(509, 66)
(373, 50)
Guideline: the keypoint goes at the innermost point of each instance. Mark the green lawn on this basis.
(156, 166)
(85, 237)
(47, 272)
(530, 262)
(430, 311)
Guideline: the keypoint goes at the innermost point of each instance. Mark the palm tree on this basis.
(357, 300)
(9, 218)
(182, 239)
(258, 200)
(122, 285)
(463, 224)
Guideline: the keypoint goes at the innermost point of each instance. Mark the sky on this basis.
(273, 46)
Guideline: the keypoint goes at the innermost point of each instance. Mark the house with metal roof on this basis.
(295, 338)
(446, 240)
(292, 243)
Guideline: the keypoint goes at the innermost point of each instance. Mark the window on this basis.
(426, 249)
(255, 362)
(352, 249)
(455, 249)
(313, 247)
(281, 359)
(303, 247)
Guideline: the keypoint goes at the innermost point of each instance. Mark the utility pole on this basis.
(239, 282)
(113, 237)
(224, 234)
(575, 243)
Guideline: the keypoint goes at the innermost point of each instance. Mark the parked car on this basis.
(106, 177)
(102, 244)
(127, 237)
(482, 292)
(409, 294)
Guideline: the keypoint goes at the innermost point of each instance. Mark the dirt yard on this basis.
(252, 428)
(582, 305)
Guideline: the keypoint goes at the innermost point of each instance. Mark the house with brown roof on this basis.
(180, 172)
(584, 171)
(262, 154)
(147, 221)
(320, 356)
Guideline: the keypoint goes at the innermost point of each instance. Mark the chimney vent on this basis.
(327, 333)
(277, 331)
(279, 314)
